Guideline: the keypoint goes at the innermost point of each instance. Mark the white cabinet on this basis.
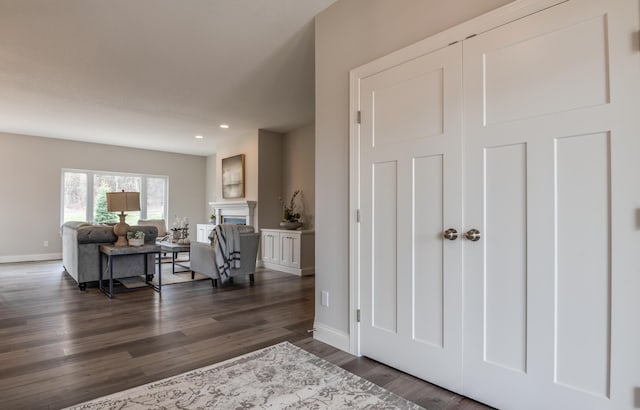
(288, 251)
(203, 231)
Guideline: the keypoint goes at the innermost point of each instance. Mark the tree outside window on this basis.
(84, 196)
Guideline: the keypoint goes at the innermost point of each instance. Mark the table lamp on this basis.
(121, 202)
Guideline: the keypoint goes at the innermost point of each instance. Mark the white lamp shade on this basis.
(123, 201)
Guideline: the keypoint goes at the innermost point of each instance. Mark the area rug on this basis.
(168, 278)
(282, 376)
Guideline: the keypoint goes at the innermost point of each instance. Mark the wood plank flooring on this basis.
(60, 346)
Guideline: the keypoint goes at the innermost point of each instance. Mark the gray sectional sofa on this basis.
(81, 254)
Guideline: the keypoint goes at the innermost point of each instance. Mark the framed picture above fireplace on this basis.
(233, 177)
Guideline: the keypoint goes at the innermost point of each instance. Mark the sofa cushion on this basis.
(96, 234)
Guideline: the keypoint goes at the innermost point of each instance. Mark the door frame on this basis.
(495, 18)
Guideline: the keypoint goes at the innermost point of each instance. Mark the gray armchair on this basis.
(203, 259)
(160, 225)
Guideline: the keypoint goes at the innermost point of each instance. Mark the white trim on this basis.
(495, 18)
(31, 258)
(331, 336)
(308, 271)
(354, 206)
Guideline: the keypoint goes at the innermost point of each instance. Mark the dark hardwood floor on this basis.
(60, 346)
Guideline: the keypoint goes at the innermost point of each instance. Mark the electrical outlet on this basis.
(46, 244)
(325, 298)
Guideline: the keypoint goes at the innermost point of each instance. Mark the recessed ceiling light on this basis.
(225, 126)
(199, 137)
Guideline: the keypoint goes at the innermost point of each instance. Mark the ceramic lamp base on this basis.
(121, 229)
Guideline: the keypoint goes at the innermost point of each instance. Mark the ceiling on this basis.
(154, 73)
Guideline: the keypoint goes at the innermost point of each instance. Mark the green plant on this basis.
(288, 212)
(101, 212)
(135, 235)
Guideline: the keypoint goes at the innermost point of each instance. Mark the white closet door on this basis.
(552, 188)
(410, 192)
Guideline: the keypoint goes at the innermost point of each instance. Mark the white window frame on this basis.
(90, 177)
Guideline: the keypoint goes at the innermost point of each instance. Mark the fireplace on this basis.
(239, 213)
(236, 220)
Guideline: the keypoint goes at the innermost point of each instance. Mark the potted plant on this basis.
(212, 218)
(135, 238)
(290, 218)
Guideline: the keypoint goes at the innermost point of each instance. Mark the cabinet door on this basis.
(200, 237)
(203, 231)
(270, 247)
(290, 250)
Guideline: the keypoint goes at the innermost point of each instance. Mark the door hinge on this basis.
(357, 215)
(359, 117)
(358, 315)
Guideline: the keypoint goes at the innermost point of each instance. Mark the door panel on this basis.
(559, 69)
(540, 132)
(505, 237)
(583, 271)
(384, 267)
(428, 268)
(410, 169)
(420, 114)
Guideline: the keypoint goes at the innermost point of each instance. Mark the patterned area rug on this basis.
(282, 376)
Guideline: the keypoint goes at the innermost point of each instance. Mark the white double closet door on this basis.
(529, 135)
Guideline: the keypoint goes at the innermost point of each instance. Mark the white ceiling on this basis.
(155, 73)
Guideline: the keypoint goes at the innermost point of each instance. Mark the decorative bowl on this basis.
(290, 225)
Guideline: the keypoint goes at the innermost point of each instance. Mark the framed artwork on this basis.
(233, 177)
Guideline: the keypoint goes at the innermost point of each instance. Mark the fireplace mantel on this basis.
(234, 209)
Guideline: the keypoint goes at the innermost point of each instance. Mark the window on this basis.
(85, 195)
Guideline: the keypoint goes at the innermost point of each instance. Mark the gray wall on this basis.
(298, 170)
(351, 33)
(31, 185)
(210, 180)
(269, 178)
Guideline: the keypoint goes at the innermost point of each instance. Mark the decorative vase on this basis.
(290, 225)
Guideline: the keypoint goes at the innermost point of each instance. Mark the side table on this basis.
(111, 251)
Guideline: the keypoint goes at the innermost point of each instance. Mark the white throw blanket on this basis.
(227, 249)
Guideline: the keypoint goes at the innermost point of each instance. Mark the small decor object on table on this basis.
(180, 231)
(135, 238)
(290, 218)
(212, 218)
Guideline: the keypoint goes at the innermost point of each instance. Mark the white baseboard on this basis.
(331, 336)
(31, 258)
(308, 271)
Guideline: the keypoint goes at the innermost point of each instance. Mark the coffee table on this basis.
(176, 248)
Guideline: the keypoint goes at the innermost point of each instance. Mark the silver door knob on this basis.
(473, 235)
(450, 234)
